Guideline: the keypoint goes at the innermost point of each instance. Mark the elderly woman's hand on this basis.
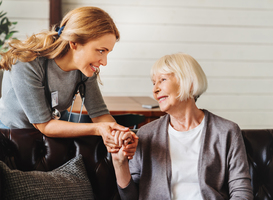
(130, 148)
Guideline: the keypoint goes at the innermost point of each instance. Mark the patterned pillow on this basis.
(69, 181)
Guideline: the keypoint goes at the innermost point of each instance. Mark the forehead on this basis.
(107, 41)
(159, 75)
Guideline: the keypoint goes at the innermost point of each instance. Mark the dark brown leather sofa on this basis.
(30, 150)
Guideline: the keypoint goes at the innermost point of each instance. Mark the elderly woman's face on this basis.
(165, 91)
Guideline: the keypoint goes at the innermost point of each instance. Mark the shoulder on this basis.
(37, 62)
(220, 125)
(216, 119)
(29, 69)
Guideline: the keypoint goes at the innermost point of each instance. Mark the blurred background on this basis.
(232, 40)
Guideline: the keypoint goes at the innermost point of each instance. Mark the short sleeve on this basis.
(27, 81)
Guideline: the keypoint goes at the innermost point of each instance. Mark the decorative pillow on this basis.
(69, 181)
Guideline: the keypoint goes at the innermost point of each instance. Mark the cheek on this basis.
(154, 95)
(79, 56)
(94, 57)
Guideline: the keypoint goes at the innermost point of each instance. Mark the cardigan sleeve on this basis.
(130, 192)
(239, 179)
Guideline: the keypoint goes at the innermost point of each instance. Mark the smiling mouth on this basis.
(93, 68)
(160, 99)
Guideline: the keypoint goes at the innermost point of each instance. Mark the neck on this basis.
(65, 62)
(187, 117)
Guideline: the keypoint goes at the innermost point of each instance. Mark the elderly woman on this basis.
(189, 153)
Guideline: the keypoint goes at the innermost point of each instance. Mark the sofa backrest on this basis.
(28, 149)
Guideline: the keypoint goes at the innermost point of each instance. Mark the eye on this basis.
(101, 51)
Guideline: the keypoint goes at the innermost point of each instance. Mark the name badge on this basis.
(54, 99)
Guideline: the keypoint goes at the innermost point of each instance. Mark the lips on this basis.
(160, 99)
(93, 68)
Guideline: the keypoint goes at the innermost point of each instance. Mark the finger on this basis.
(113, 150)
(126, 142)
(121, 142)
(113, 133)
(115, 136)
(128, 154)
(131, 150)
(134, 135)
(112, 146)
(126, 135)
(132, 144)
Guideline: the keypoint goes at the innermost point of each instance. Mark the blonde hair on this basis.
(80, 25)
(189, 74)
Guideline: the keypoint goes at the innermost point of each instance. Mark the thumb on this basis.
(135, 136)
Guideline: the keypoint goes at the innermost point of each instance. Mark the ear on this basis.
(73, 45)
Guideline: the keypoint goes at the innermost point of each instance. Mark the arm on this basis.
(104, 126)
(126, 185)
(121, 167)
(239, 178)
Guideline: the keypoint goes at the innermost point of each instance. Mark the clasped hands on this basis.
(125, 143)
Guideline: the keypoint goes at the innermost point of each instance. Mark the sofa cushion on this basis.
(68, 181)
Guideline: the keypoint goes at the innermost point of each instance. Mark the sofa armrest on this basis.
(259, 148)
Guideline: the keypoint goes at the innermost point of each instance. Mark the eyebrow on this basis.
(105, 49)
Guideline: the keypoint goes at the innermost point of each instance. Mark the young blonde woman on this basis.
(43, 71)
(190, 153)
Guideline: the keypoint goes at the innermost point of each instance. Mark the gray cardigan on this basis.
(223, 170)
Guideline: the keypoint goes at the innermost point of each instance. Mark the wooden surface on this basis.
(125, 104)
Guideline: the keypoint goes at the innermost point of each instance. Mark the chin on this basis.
(162, 109)
(88, 74)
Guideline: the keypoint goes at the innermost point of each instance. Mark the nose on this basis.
(103, 61)
(156, 89)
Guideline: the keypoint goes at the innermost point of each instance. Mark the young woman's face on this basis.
(165, 91)
(91, 55)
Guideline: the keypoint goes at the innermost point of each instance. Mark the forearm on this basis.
(122, 172)
(59, 128)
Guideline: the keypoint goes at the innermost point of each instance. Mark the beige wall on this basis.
(232, 40)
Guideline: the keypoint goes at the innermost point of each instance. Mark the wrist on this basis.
(96, 129)
(120, 163)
